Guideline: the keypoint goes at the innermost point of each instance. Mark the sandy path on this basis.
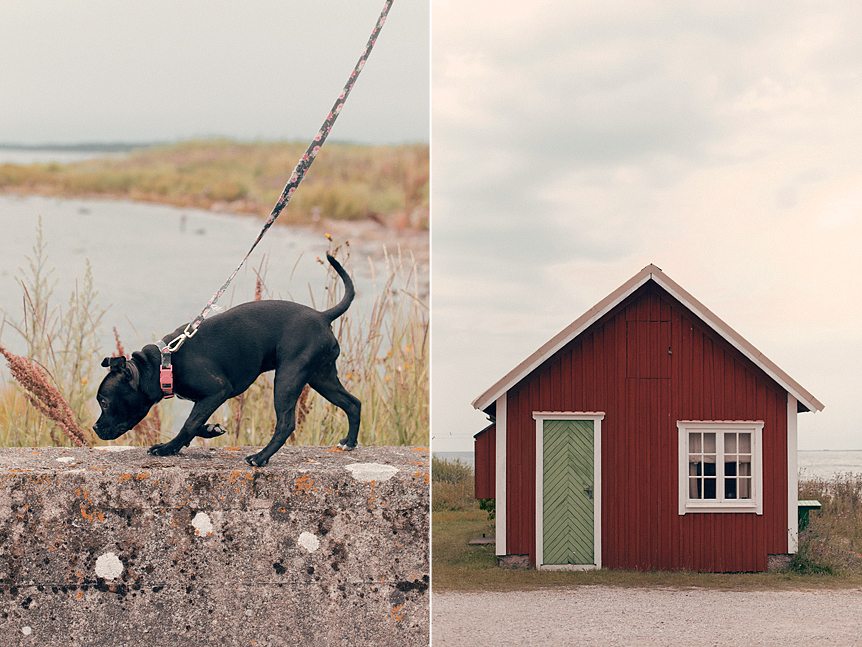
(616, 616)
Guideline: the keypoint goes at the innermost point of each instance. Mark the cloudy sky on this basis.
(575, 143)
(107, 71)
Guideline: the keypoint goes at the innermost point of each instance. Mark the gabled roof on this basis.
(806, 401)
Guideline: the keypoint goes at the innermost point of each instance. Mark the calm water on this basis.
(155, 266)
(45, 156)
(823, 464)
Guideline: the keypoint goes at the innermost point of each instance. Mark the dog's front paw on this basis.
(256, 460)
(211, 431)
(345, 445)
(163, 449)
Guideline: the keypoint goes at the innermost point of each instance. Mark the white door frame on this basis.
(596, 417)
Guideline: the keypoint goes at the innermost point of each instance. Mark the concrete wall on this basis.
(122, 548)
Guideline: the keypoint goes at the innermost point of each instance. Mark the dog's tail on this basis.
(349, 292)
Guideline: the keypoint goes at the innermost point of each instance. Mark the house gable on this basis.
(651, 273)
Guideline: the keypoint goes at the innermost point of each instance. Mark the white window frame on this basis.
(752, 505)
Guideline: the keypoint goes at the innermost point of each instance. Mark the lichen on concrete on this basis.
(119, 547)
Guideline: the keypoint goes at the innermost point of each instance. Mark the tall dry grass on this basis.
(58, 375)
(832, 542)
(452, 485)
(384, 362)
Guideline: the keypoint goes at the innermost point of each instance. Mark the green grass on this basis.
(346, 181)
(457, 566)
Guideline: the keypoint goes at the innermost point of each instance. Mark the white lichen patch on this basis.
(114, 448)
(66, 459)
(202, 524)
(109, 566)
(309, 542)
(368, 472)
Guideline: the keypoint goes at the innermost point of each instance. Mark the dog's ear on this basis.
(115, 364)
(129, 370)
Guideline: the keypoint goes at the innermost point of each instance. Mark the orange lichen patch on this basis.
(142, 476)
(232, 449)
(234, 476)
(426, 476)
(96, 515)
(394, 613)
(336, 449)
(304, 484)
(125, 477)
(372, 497)
(419, 449)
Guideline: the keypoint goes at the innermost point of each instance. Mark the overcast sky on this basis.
(576, 142)
(108, 71)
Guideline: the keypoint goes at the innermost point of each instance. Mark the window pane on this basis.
(729, 488)
(730, 465)
(694, 467)
(694, 488)
(745, 466)
(729, 443)
(744, 488)
(709, 465)
(709, 488)
(694, 444)
(744, 443)
(709, 443)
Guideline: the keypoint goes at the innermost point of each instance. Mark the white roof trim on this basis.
(650, 272)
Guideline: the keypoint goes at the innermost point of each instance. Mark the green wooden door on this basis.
(567, 492)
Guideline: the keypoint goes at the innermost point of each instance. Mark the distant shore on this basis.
(376, 197)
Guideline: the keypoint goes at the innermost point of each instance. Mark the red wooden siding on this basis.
(648, 364)
(485, 452)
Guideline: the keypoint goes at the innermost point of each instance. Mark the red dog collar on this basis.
(166, 372)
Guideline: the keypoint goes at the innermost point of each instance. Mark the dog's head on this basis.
(122, 400)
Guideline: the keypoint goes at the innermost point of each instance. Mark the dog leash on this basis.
(166, 372)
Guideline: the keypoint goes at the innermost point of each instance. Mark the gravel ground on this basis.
(614, 616)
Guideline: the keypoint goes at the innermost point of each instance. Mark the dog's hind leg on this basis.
(327, 384)
(285, 394)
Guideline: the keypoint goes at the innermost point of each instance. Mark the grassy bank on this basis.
(828, 548)
(346, 181)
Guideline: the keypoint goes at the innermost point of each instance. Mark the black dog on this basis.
(225, 357)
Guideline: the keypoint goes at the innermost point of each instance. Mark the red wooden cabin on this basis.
(646, 435)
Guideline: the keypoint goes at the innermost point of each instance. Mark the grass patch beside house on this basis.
(457, 566)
